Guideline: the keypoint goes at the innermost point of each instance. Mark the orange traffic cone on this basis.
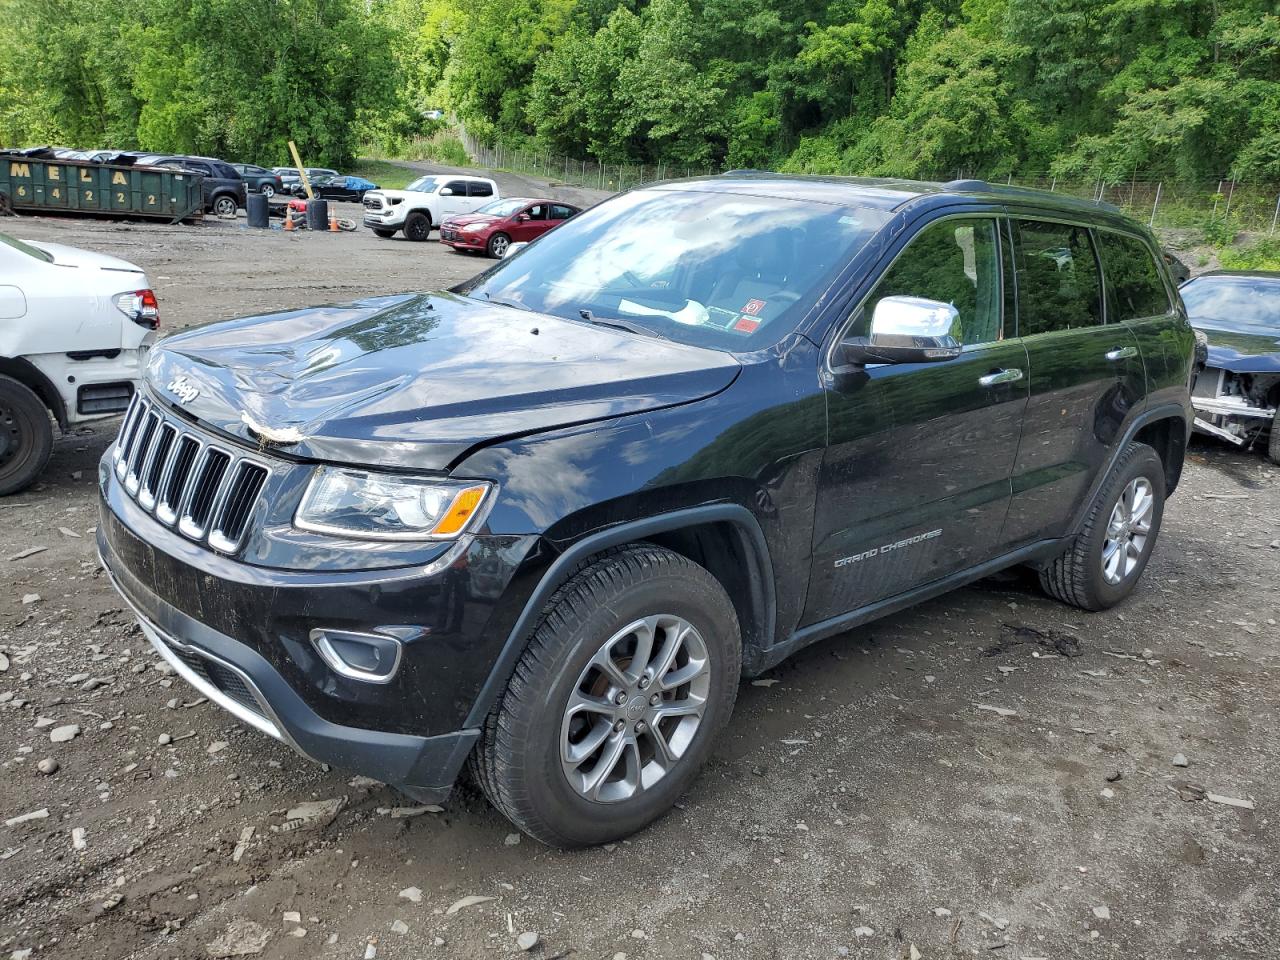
(333, 221)
(288, 219)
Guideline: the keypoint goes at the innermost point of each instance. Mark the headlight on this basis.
(472, 227)
(373, 506)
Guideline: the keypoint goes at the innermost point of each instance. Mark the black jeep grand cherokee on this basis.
(544, 522)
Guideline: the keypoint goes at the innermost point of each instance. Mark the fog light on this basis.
(359, 656)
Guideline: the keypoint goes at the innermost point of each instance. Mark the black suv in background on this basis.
(224, 189)
(543, 523)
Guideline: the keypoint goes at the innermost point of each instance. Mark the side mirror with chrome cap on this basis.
(905, 330)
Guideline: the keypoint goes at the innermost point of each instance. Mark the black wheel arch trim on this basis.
(29, 375)
(1165, 411)
(763, 598)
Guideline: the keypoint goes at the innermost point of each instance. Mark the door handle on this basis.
(1000, 376)
(1122, 353)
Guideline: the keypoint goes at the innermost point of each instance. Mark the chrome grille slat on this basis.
(207, 490)
(140, 449)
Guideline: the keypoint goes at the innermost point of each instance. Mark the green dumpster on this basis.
(37, 185)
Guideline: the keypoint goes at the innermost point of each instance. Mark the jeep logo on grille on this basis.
(183, 389)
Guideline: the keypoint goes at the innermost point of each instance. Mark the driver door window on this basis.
(955, 262)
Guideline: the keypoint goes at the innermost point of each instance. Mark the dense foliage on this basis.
(1089, 88)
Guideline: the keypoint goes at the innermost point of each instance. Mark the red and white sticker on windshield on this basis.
(753, 308)
(746, 324)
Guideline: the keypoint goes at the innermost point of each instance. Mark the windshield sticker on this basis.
(746, 324)
(753, 307)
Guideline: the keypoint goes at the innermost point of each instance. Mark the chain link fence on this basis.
(1168, 204)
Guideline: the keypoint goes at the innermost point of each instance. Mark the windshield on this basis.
(423, 185)
(718, 270)
(1244, 304)
(502, 208)
(26, 248)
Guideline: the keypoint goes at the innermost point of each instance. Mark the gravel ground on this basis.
(867, 800)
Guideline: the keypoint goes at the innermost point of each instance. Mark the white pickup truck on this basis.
(75, 329)
(425, 203)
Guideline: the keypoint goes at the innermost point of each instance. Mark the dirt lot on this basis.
(865, 802)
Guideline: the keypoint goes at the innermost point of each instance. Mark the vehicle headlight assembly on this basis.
(472, 227)
(376, 506)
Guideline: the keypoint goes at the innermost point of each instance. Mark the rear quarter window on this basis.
(1135, 288)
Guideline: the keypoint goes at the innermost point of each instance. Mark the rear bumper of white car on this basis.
(94, 384)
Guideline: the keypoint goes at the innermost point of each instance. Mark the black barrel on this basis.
(258, 211)
(318, 215)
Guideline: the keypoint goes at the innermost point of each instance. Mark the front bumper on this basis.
(241, 634)
(242, 682)
(459, 240)
(388, 218)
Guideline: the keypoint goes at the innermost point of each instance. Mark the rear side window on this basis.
(953, 261)
(559, 212)
(1058, 283)
(1134, 287)
(479, 188)
(459, 187)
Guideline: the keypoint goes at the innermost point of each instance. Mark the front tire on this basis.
(417, 226)
(630, 674)
(1106, 559)
(26, 436)
(497, 245)
(224, 206)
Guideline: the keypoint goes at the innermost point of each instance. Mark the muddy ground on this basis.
(865, 802)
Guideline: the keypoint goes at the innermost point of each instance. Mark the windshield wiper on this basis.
(617, 324)
(502, 302)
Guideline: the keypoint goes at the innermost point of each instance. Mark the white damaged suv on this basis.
(75, 329)
(425, 203)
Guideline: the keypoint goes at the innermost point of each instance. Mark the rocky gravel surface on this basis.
(991, 774)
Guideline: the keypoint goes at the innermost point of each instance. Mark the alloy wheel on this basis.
(1128, 530)
(499, 246)
(636, 708)
(268, 190)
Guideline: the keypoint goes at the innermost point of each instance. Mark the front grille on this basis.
(207, 491)
(373, 203)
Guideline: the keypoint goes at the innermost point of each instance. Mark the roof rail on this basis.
(970, 186)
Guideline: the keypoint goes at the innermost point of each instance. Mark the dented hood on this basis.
(416, 381)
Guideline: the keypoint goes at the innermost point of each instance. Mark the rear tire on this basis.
(417, 226)
(268, 191)
(384, 234)
(574, 776)
(1106, 559)
(26, 436)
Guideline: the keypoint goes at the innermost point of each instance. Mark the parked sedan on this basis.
(259, 179)
(337, 188)
(1237, 395)
(292, 180)
(495, 226)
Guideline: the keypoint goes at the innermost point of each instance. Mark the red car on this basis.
(495, 226)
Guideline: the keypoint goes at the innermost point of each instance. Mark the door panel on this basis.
(1086, 377)
(915, 481)
(1139, 297)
